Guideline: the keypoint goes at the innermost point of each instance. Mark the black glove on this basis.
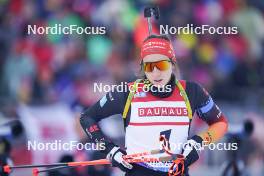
(115, 156)
(192, 150)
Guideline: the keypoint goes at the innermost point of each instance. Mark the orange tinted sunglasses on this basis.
(161, 65)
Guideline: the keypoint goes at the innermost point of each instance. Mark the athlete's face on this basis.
(158, 77)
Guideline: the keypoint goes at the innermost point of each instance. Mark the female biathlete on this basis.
(157, 105)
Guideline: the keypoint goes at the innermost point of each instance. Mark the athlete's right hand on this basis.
(115, 156)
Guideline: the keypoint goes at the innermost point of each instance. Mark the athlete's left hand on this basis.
(177, 168)
(192, 150)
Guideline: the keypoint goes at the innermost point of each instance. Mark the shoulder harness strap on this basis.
(185, 97)
(129, 98)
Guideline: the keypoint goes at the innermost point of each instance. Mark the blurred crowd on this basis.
(47, 68)
(41, 69)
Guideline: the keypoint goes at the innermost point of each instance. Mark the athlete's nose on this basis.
(155, 72)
